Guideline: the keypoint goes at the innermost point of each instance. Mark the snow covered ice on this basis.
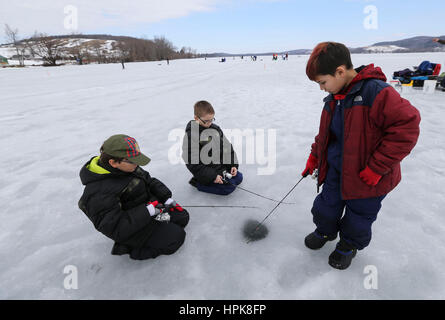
(55, 119)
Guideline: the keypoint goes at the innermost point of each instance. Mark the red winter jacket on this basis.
(380, 129)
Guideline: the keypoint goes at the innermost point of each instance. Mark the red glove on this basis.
(370, 177)
(154, 203)
(172, 205)
(177, 207)
(154, 208)
(311, 165)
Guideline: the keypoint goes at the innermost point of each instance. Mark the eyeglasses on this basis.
(207, 121)
(126, 161)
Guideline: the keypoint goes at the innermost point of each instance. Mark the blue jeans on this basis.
(222, 189)
(355, 225)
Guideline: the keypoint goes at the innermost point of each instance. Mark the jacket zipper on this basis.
(324, 147)
(342, 148)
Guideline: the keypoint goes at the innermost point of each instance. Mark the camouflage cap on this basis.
(123, 146)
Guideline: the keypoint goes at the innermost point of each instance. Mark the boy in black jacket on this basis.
(129, 206)
(208, 154)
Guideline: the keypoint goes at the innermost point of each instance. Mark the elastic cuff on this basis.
(375, 169)
(151, 210)
(373, 173)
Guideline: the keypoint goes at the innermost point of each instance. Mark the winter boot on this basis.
(316, 241)
(342, 256)
(120, 249)
(193, 182)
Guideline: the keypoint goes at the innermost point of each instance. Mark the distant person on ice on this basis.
(208, 154)
(439, 40)
(129, 206)
(366, 130)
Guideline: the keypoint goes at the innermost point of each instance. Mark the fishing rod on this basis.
(226, 178)
(259, 224)
(220, 207)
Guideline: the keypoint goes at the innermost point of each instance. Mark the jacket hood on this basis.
(188, 128)
(364, 73)
(369, 72)
(91, 171)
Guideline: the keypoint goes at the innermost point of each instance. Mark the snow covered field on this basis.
(55, 119)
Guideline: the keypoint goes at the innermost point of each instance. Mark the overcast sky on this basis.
(234, 26)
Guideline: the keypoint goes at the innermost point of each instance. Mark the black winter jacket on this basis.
(206, 173)
(115, 201)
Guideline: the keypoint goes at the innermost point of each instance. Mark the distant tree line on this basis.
(92, 48)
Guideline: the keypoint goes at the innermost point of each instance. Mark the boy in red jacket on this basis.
(366, 129)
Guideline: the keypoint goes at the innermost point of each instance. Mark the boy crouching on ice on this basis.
(128, 205)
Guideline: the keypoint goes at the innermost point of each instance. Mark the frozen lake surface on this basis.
(55, 119)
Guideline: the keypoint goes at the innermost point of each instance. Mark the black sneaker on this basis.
(342, 256)
(120, 249)
(316, 241)
(193, 182)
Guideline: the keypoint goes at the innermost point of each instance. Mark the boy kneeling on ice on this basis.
(366, 129)
(208, 154)
(128, 205)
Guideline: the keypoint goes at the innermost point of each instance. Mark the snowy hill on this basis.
(384, 49)
(97, 49)
(7, 51)
(415, 44)
(106, 47)
(57, 118)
